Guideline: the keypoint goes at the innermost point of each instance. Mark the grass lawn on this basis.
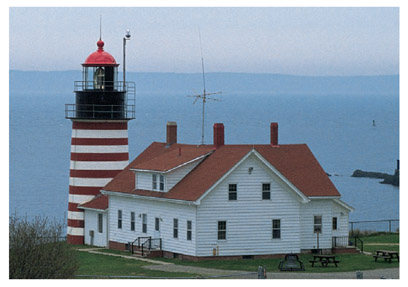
(381, 242)
(96, 264)
(348, 262)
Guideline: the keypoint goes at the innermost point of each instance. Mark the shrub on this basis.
(38, 250)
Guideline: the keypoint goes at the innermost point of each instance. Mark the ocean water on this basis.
(337, 128)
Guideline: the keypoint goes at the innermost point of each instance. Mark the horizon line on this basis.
(195, 73)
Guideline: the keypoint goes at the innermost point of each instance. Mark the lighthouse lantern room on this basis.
(99, 145)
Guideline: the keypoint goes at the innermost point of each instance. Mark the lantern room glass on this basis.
(100, 78)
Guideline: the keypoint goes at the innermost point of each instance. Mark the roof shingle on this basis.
(295, 162)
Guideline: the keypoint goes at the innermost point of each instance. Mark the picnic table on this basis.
(387, 255)
(324, 260)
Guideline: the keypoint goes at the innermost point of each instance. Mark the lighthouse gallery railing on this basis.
(98, 111)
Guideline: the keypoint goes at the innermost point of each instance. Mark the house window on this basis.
(100, 222)
(317, 224)
(334, 223)
(175, 228)
(154, 181)
(161, 182)
(158, 182)
(189, 227)
(266, 191)
(276, 228)
(119, 219)
(144, 223)
(132, 221)
(222, 230)
(232, 192)
(157, 224)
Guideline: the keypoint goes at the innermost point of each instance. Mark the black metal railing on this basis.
(345, 241)
(387, 225)
(119, 86)
(91, 111)
(151, 244)
(145, 244)
(107, 111)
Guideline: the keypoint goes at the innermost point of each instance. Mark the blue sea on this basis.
(337, 128)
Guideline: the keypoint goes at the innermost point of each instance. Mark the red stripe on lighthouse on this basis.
(99, 126)
(74, 207)
(76, 223)
(84, 190)
(101, 141)
(94, 173)
(100, 156)
(74, 239)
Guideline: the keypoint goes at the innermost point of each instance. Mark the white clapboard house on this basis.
(199, 201)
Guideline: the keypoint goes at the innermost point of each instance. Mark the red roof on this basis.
(295, 162)
(98, 202)
(100, 58)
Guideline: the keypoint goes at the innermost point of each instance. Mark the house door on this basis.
(157, 228)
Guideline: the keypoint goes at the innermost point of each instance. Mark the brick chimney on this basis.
(218, 135)
(171, 136)
(274, 134)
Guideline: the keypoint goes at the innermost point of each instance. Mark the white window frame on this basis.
(320, 225)
(221, 230)
(279, 229)
(266, 191)
(158, 182)
(144, 223)
(132, 221)
(232, 192)
(189, 230)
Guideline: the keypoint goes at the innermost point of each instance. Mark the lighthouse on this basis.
(99, 144)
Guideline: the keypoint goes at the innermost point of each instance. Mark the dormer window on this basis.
(157, 182)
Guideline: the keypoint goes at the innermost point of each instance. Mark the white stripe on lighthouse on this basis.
(79, 181)
(78, 231)
(99, 149)
(99, 134)
(75, 215)
(79, 198)
(98, 165)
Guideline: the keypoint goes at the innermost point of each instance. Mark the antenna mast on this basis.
(204, 95)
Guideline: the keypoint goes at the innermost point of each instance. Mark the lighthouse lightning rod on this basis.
(127, 37)
(205, 94)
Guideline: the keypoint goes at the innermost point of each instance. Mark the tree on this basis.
(38, 250)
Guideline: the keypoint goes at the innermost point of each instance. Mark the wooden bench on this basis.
(386, 257)
(325, 260)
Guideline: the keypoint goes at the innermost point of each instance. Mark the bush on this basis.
(38, 250)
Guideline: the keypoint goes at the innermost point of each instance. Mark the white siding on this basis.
(342, 215)
(308, 211)
(91, 220)
(144, 180)
(166, 211)
(249, 218)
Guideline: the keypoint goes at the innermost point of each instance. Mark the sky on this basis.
(297, 41)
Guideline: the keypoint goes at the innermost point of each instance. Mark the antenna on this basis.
(204, 95)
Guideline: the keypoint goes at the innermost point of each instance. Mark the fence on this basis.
(385, 225)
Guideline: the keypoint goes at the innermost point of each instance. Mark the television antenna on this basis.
(204, 96)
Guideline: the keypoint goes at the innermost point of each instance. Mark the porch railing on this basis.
(345, 241)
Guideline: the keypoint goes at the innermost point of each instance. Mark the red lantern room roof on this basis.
(100, 58)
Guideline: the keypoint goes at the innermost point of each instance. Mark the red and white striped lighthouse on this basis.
(99, 147)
